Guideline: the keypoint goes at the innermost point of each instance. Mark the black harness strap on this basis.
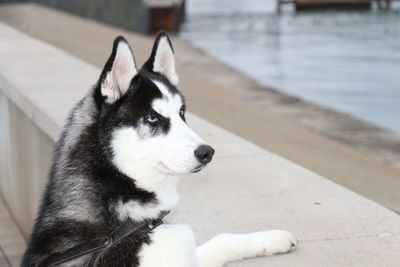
(96, 246)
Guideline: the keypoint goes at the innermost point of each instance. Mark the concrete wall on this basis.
(128, 14)
(24, 163)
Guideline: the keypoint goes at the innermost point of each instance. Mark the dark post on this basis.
(166, 16)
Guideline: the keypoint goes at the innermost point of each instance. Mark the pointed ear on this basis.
(162, 59)
(118, 71)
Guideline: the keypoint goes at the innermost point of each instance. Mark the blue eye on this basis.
(152, 119)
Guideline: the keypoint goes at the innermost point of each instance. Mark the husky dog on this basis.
(117, 165)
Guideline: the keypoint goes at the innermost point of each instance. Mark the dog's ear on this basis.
(162, 59)
(118, 71)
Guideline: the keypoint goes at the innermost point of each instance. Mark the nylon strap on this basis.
(98, 245)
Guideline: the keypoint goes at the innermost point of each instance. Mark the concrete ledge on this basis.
(64, 87)
(246, 188)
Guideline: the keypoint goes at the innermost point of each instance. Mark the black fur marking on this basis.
(161, 126)
(182, 113)
(154, 76)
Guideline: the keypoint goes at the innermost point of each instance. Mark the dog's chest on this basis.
(171, 245)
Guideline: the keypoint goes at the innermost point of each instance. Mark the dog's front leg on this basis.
(170, 245)
(232, 247)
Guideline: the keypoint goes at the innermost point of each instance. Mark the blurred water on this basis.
(347, 61)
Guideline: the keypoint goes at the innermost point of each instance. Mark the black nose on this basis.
(204, 153)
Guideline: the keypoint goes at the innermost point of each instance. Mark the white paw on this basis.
(275, 242)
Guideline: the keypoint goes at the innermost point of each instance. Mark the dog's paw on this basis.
(275, 242)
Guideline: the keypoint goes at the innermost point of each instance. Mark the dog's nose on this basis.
(204, 153)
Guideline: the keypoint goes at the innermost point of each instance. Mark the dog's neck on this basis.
(163, 186)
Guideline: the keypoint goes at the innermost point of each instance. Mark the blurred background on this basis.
(314, 81)
(342, 59)
(341, 54)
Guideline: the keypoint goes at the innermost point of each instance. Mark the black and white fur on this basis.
(119, 158)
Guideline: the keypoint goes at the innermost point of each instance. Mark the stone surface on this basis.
(24, 163)
(12, 244)
(65, 87)
(357, 252)
(245, 189)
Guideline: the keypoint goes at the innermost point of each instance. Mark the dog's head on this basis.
(142, 119)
